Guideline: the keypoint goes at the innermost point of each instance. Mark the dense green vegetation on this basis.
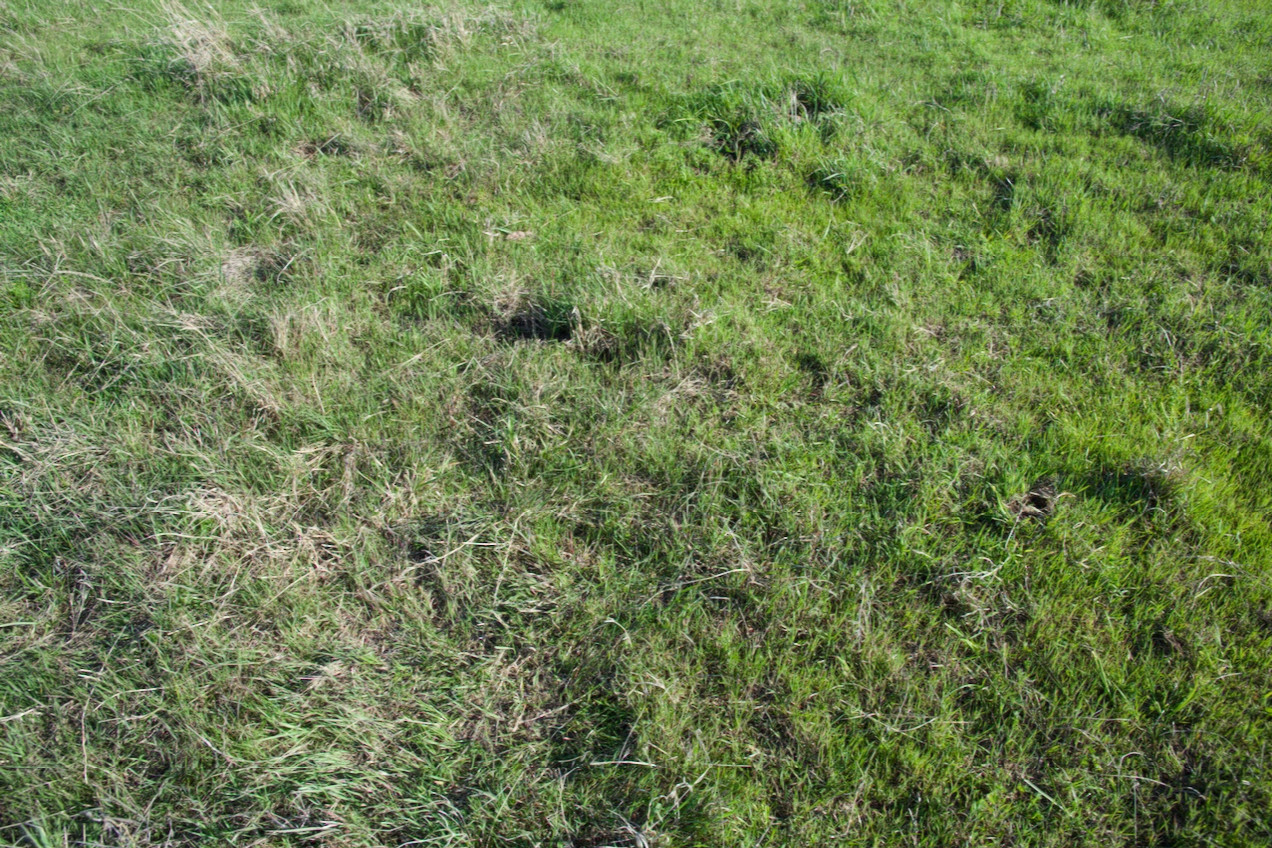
(583, 423)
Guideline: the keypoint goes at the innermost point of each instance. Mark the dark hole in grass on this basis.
(600, 727)
(625, 341)
(1038, 105)
(1145, 489)
(719, 372)
(198, 149)
(335, 145)
(967, 258)
(1037, 504)
(373, 105)
(427, 542)
(816, 96)
(772, 726)
(1166, 643)
(269, 266)
(751, 248)
(1188, 134)
(733, 116)
(736, 139)
(1004, 191)
(1050, 226)
(421, 551)
(1179, 797)
(545, 319)
(838, 179)
(481, 439)
(940, 408)
(276, 266)
(601, 838)
(251, 330)
(817, 370)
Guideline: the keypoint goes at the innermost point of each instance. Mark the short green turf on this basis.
(582, 423)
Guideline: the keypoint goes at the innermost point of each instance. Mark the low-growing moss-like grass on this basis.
(623, 424)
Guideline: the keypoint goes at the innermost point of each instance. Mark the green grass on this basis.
(638, 424)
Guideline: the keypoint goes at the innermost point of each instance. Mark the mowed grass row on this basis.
(678, 424)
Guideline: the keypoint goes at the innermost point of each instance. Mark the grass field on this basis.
(581, 423)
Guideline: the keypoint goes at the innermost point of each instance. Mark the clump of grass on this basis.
(197, 54)
(733, 125)
(741, 119)
(425, 34)
(813, 97)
